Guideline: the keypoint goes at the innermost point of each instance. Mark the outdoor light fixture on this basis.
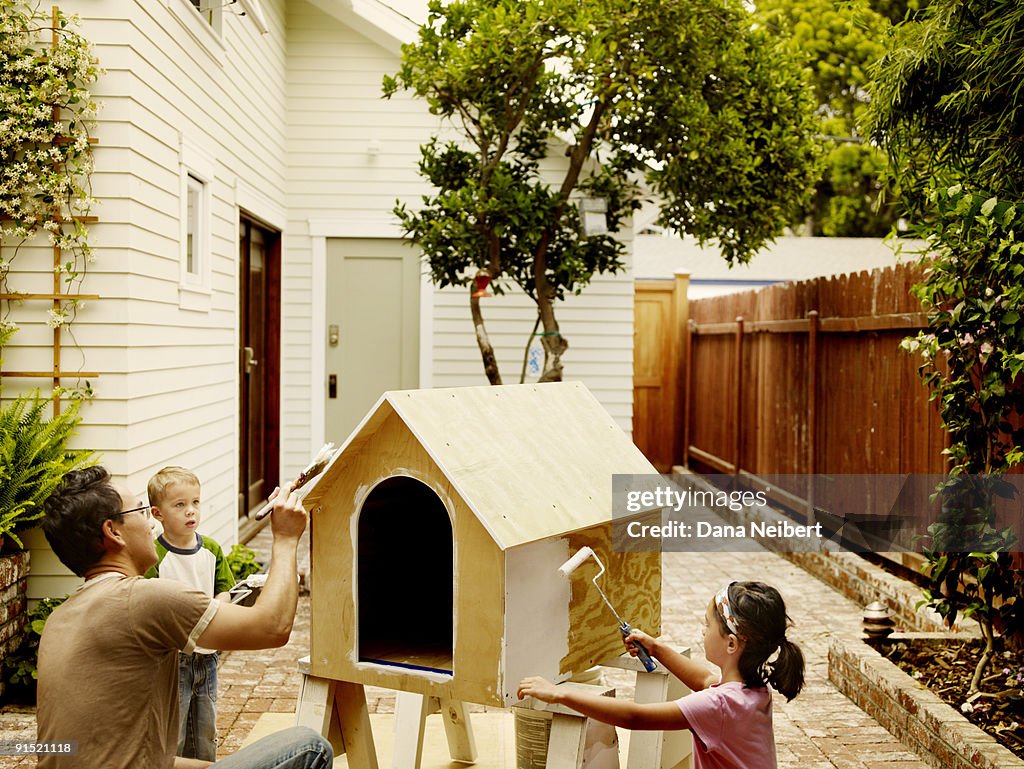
(593, 216)
(877, 622)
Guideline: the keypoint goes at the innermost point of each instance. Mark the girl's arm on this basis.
(624, 713)
(695, 675)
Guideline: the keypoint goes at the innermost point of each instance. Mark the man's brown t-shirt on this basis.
(108, 671)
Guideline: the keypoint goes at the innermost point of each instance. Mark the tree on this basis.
(946, 108)
(687, 98)
(947, 103)
(838, 43)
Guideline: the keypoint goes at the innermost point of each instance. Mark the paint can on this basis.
(533, 730)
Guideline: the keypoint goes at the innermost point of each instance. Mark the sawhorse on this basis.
(337, 710)
(656, 750)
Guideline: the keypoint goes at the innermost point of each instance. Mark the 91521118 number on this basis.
(29, 748)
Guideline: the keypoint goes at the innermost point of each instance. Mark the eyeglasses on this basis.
(146, 510)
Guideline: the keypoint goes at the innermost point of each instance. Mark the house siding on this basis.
(336, 111)
(287, 118)
(167, 392)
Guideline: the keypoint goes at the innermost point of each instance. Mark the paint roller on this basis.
(571, 565)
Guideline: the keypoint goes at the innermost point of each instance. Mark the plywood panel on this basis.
(632, 582)
(532, 461)
(385, 450)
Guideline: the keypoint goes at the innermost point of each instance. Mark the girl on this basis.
(731, 717)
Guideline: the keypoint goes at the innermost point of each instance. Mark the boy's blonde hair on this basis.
(165, 477)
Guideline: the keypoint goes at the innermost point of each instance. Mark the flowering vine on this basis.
(46, 111)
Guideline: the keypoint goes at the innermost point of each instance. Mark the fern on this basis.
(33, 459)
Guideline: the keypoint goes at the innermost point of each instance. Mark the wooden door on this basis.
(373, 320)
(260, 362)
(658, 316)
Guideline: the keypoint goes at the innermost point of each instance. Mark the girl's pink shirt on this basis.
(732, 727)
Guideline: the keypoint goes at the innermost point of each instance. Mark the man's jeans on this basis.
(296, 748)
(197, 706)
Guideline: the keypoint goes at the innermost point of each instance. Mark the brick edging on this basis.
(910, 712)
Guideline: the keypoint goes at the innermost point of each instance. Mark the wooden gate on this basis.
(659, 324)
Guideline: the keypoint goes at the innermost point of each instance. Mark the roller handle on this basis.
(641, 651)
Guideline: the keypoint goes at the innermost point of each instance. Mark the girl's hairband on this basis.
(725, 609)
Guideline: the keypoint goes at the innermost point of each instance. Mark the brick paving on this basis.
(820, 729)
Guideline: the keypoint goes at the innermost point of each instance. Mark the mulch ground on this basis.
(947, 671)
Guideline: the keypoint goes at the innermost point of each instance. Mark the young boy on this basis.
(187, 556)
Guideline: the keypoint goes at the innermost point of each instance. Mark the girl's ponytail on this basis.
(787, 672)
(761, 616)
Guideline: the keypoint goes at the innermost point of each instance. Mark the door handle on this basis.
(250, 360)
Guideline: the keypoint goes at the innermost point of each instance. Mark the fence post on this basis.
(738, 411)
(812, 409)
(681, 380)
(691, 338)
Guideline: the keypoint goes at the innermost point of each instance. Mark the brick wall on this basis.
(910, 712)
(863, 582)
(13, 582)
(859, 580)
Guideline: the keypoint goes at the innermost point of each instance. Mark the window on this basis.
(197, 177)
(212, 12)
(195, 194)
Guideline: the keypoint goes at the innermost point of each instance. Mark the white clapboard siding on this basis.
(336, 112)
(167, 390)
(598, 325)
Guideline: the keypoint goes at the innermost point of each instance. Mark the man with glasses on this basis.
(108, 657)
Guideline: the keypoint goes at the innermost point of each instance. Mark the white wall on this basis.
(336, 112)
(168, 387)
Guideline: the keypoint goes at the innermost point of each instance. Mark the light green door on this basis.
(373, 314)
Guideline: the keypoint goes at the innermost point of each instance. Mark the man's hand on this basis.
(289, 518)
(635, 636)
(538, 688)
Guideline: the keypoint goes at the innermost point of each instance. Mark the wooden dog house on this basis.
(438, 530)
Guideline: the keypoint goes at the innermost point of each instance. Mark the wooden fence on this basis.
(791, 383)
(808, 377)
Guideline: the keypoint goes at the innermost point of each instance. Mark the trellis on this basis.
(57, 296)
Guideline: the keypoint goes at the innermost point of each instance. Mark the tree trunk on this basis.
(554, 343)
(482, 340)
(986, 655)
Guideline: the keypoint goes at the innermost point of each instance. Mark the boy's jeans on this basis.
(197, 706)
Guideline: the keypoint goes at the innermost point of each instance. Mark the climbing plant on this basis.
(46, 111)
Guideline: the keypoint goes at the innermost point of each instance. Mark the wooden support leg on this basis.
(315, 709)
(565, 747)
(411, 711)
(354, 719)
(337, 710)
(459, 730)
(656, 750)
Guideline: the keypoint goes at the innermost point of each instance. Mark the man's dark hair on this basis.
(74, 517)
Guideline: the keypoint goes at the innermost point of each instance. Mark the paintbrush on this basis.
(320, 461)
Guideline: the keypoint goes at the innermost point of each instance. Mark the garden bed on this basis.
(946, 668)
(914, 714)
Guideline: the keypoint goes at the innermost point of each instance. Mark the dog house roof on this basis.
(531, 461)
